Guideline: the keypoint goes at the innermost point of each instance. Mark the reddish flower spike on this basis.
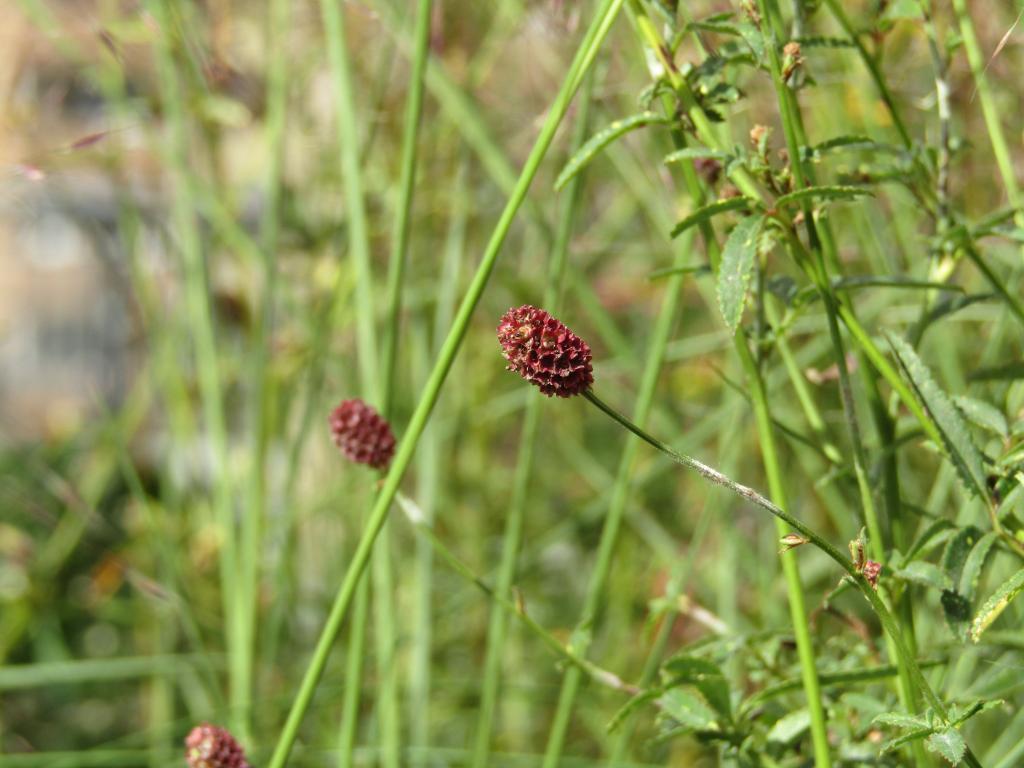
(361, 434)
(208, 746)
(544, 352)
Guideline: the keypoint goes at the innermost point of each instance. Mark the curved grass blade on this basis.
(704, 213)
(602, 139)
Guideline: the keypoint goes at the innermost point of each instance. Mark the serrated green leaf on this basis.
(996, 604)
(956, 438)
(737, 265)
(602, 139)
(788, 727)
(971, 571)
(688, 708)
(906, 738)
(711, 209)
(840, 143)
(901, 721)
(705, 675)
(924, 573)
(948, 743)
(694, 153)
(823, 193)
(961, 714)
(984, 415)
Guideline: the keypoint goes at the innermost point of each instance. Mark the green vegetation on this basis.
(790, 235)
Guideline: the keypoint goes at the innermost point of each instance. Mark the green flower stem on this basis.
(797, 606)
(888, 621)
(585, 55)
(512, 536)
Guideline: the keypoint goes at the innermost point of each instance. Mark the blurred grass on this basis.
(123, 615)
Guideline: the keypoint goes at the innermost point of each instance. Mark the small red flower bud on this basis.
(871, 570)
(208, 746)
(361, 434)
(708, 168)
(544, 352)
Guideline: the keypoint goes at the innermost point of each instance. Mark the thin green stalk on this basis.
(585, 55)
(888, 621)
(388, 697)
(403, 214)
(430, 468)
(795, 139)
(873, 69)
(200, 313)
(333, 16)
(798, 610)
(512, 535)
(663, 325)
(989, 110)
(251, 522)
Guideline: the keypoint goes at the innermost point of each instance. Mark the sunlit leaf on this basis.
(736, 268)
(602, 139)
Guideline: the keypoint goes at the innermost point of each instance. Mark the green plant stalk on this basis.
(706, 132)
(888, 621)
(430, 470)
(370, 382)
(584, 57)
(251, 522)
(513, 533)
(388, 695)
(200, 312)
(406, 186)
(616, 509)
(873, 69)
(794, 588)
(795, 138)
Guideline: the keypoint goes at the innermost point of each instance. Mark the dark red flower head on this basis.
(544, 352)
(208, 746)
(361, 434)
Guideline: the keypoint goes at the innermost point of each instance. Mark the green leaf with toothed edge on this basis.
(823, 193)
(704, 675)
(952, 428)
(736, 268)
(602, 139)
(996, 604)
(948, 743)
